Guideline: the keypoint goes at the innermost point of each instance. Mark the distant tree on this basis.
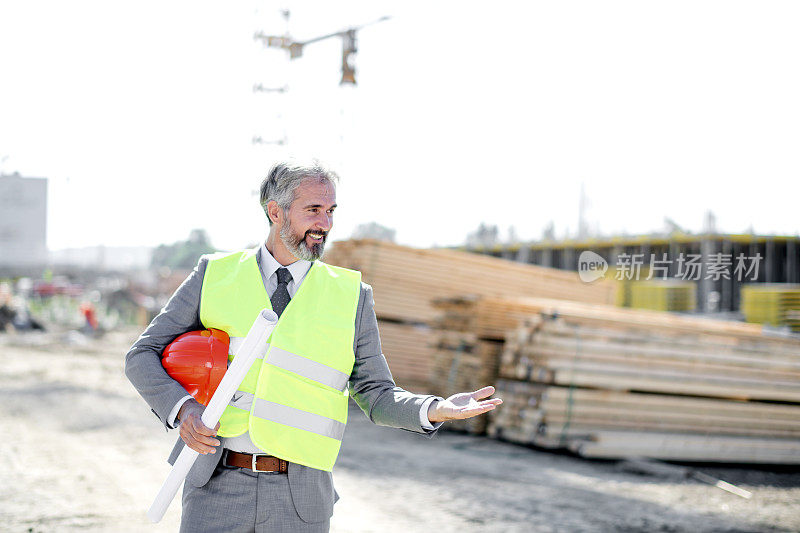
(373, 230)
(485, 235)
(513, 238)
(549, 232)
(183, 254)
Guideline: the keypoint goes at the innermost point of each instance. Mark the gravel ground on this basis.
(85, 453)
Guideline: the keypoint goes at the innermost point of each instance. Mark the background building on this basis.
(23, 221)
(778, 260)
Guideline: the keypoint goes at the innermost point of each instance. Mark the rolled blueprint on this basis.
(252, 345)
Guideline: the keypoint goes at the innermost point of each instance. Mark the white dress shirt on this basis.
(298, 270)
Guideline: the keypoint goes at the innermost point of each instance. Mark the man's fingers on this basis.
(205, 439)
(473, 412)
(192, 442)
(481, 404)
(198, 445)
(198, 437)
(199, 427)
(483, 393)
(200, 448)
(479, 409)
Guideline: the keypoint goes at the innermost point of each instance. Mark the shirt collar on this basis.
(269, 265)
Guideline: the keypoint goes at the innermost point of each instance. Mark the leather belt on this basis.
(257, 462)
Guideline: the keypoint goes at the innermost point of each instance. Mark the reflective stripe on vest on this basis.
(298, 364)
(296, 418)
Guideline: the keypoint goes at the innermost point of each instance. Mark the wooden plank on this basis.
(589, 423)
(556, 358)
(557, 332)
(542, 415)
(408, 352)
(666, 402)
(678, 447)
(667, 384)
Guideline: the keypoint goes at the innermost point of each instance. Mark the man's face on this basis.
(309, 219)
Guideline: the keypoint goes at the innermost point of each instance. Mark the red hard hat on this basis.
(198, 360)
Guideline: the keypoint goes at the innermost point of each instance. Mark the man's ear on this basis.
(274, 212)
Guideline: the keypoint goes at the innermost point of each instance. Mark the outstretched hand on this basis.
(463, 405)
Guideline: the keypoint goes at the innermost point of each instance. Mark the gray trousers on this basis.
(240, 500)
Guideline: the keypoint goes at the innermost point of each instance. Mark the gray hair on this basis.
(285, 177)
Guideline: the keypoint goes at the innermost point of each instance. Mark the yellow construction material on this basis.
(663, 295)
(777, 304)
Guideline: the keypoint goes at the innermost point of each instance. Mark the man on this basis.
(327, 329)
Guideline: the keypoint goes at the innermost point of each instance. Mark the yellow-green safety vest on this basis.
(293, 400)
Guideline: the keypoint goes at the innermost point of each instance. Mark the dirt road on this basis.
(83, 452)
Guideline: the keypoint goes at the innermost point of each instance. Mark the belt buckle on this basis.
(255, 458)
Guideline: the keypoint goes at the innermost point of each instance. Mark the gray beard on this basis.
(297, 245)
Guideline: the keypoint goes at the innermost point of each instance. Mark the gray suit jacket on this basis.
(371, 386)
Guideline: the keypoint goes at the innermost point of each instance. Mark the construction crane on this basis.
(295, 48)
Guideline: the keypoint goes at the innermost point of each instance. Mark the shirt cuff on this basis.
(172, 419)
(423, 414)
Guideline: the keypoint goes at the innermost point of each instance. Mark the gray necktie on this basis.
(280, 298)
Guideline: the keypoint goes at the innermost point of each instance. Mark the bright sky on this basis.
(141, 115)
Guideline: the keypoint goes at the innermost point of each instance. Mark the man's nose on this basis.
(324, 221)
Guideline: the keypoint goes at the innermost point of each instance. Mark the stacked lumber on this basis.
(612, 382)
(554, 416)
(407, 348)
(407, 279)
(486, 318)
(656, 426)
(463, 363)
(493, 317)
(553, 349)
(606, 390)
